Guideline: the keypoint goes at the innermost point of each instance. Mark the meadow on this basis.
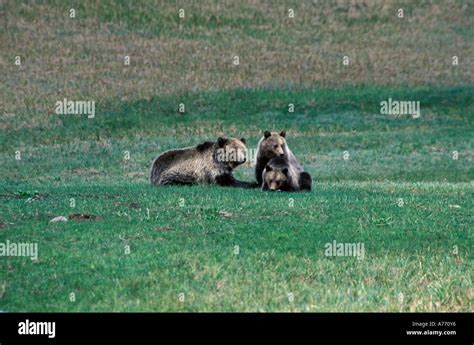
(402, 186)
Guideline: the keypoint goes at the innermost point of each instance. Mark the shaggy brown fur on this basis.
(272, 145)
(207, 163)
(280, 175)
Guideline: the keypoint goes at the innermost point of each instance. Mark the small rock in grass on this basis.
(226, 214)
(58, 219)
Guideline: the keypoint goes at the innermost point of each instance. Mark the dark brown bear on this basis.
(207, 163)
(280, 175)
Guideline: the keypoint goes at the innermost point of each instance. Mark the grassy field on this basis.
(405, 190)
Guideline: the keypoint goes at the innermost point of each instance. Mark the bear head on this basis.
(273, 145)
(231, 151)
(275, 179)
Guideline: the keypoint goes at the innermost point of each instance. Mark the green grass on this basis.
(418, 257)
(190, 249)
(421, 251)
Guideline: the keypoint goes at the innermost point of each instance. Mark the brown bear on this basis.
(207, 163)
(272, 145)
(280, 175)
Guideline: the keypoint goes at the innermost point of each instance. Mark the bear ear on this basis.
(285, 171)
(243, 140)
(283, 133)
(267, 134)
(268, 168)
(221, 141)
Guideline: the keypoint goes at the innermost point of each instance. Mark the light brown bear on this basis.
(207, 163)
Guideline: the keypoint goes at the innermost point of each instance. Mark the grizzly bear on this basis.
(272, 145)
(207, 163)
(280, 175)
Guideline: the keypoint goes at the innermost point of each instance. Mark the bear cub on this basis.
(280, 175)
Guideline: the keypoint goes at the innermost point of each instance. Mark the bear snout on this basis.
(273, 186)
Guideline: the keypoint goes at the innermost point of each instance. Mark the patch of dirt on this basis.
(81, 216)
